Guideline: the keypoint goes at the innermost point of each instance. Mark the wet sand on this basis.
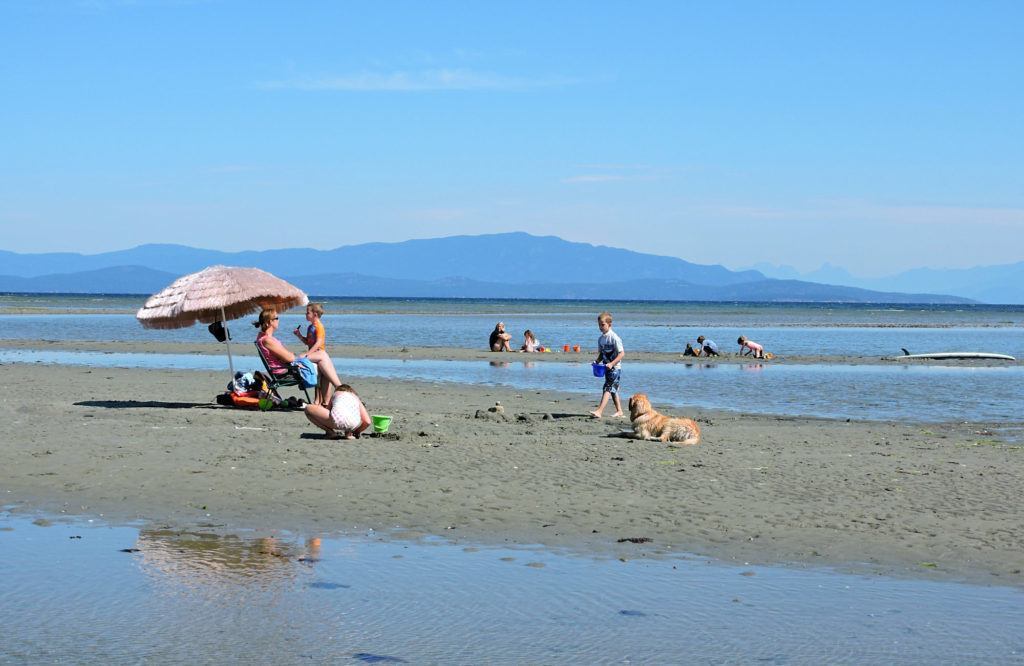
(933, 501)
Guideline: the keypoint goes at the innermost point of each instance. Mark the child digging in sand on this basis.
(346, 418)
(749, 347)
(609, 353)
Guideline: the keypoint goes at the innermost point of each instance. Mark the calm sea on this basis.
(882, 392)
(788, 328)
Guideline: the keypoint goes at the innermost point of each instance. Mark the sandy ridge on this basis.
(933, 501)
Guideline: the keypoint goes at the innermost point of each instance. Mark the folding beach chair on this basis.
(290, 378)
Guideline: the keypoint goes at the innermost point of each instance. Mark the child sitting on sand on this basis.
(530, 343)
(346, 418)
(750, 347)
(610, 353)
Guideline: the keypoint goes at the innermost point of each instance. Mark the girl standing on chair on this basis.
(316, 340)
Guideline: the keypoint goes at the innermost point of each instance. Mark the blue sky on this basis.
(878, 136)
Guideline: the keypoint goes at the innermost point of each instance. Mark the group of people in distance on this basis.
(500, 341)
(336, 407)
(705, 347)
(609, 354)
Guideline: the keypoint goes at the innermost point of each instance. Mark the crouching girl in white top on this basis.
(346, 417)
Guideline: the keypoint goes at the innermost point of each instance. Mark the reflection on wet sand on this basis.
(506, 364)
(67, 591)
(201, 560)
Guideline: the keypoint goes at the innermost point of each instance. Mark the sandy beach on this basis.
(931, 501)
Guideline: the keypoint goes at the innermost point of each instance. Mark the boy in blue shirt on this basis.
(609, 353)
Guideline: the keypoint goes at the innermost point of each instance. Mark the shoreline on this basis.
(245, 348)
(931, 501)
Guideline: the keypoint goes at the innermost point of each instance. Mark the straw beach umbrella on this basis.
(218, 293)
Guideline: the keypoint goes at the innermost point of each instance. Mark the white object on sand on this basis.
(953, 355)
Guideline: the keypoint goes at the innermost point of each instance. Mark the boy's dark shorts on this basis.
(611, 380)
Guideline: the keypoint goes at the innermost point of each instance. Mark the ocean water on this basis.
(87, 591)
(786, 329)
(724, 313)
(875, 392)
(918, 393)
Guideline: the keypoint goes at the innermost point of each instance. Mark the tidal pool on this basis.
(87, 591)
(919, 393)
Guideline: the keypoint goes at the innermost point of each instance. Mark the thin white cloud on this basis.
(414, 81)
(608, 172)
(956, 215)
(113, 5)
(231, 168)
(594, 178)
(17, 216)
(438, 214)
(615, 167)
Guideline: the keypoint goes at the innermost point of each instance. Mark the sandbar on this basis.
(466, 354)
(933, 501)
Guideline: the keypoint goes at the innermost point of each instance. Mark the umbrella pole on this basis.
(227, 341)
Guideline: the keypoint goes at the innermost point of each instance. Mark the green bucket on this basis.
(381, 423)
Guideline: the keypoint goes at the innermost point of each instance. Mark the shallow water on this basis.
(68, 593)
(713, 313)
(804, 330)
(864, 392)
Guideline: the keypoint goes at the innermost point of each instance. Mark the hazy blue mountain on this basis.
(988, 284)
(991, 284)
(777, 272)
(117, 280)
(515, 265)
(642, 289)
(829, 274)
(141, 280)
(513, 257)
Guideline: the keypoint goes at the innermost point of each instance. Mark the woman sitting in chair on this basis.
(281, 360)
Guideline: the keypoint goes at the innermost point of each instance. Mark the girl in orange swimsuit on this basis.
(316, 340)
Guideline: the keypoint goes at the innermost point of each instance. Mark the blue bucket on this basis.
(598, 369)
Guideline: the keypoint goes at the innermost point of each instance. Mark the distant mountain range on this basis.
(512, 265)
(515, 257)
(988, 284)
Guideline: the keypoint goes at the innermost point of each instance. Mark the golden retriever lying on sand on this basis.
(649, 424)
